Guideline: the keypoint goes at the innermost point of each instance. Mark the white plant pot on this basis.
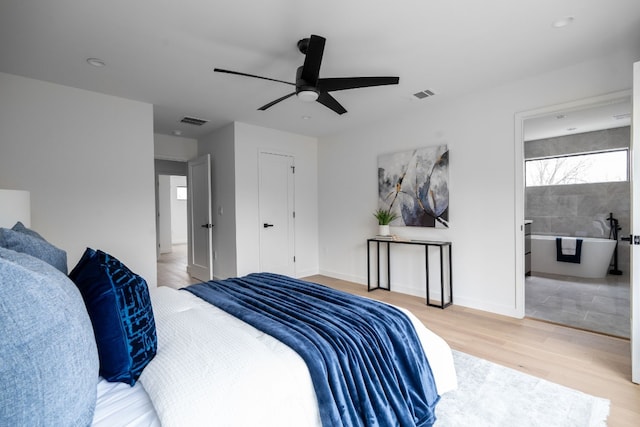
(384, 230)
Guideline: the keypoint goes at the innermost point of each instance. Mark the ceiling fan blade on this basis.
(272, 103)
(220, 70)
(330, 102)
(313, 60)
(343, 83)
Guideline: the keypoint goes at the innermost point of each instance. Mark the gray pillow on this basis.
(20, 228)
(34, 246)
(48, 357)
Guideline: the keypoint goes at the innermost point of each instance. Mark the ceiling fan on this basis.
(309, 86)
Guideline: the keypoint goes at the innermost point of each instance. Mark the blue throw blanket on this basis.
(365, 359)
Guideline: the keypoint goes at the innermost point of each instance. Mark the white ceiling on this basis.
(608, 115)
(163, 52)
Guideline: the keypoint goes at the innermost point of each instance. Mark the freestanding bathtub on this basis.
(594, 261)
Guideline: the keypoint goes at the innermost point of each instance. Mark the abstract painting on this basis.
(415, 185)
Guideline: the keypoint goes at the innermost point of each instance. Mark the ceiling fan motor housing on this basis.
(303, 45)
(304, 90)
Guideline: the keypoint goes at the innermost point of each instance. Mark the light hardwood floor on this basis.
(172, 268)
(592, 363)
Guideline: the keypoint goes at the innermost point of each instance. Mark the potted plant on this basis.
(384, 217)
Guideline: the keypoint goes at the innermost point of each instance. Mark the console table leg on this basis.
(378, 266)
(388, 267)
(368, 268)
(426, 270)
(450, 278)
(441, 279)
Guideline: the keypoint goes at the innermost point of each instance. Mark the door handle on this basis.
(207, 226)
(265, 225)
(633, 240)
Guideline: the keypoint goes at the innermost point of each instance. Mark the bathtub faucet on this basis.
(614, 227)
(613, 234)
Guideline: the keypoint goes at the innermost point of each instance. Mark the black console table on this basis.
(426, 244)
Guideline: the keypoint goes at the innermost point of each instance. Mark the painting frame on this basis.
(415, 185)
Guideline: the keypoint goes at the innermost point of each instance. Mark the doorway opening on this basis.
(562, 200)
(172, 230)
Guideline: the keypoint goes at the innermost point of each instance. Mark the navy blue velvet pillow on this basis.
(119, 306)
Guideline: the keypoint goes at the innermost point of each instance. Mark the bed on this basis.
(197, 365)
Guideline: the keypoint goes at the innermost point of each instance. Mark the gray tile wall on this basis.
(580, 210)
(578, 143)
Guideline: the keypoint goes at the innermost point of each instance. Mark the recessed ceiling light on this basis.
(177, 132)
(306, 117)
(96, 62)
(563, 22)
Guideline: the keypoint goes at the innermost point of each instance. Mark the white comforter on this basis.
(213, 369)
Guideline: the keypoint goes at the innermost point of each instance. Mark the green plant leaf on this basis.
(384, 216)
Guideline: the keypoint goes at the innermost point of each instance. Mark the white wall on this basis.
(15, 205)
(167, 147)
(479, 130)
(87, 160)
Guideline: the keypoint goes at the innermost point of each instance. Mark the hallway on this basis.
(172, 268)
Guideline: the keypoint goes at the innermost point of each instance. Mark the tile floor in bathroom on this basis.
(600, 305)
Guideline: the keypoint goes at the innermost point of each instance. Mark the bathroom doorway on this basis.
(562, 199)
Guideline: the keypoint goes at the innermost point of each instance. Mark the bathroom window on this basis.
(604, 166)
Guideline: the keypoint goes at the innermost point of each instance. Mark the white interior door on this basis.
(200, 238)
(635, 227)
(277, 215)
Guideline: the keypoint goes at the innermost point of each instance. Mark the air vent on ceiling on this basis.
(193, 121)
(424, 94)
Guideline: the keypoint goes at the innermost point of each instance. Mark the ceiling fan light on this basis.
(308, 95)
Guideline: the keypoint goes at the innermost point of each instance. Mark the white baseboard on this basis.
(355, 279)
(306, 273)
(509, 311)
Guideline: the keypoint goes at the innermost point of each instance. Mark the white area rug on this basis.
(492, 395)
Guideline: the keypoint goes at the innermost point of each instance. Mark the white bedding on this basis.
(213, 368)
(119, 404)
